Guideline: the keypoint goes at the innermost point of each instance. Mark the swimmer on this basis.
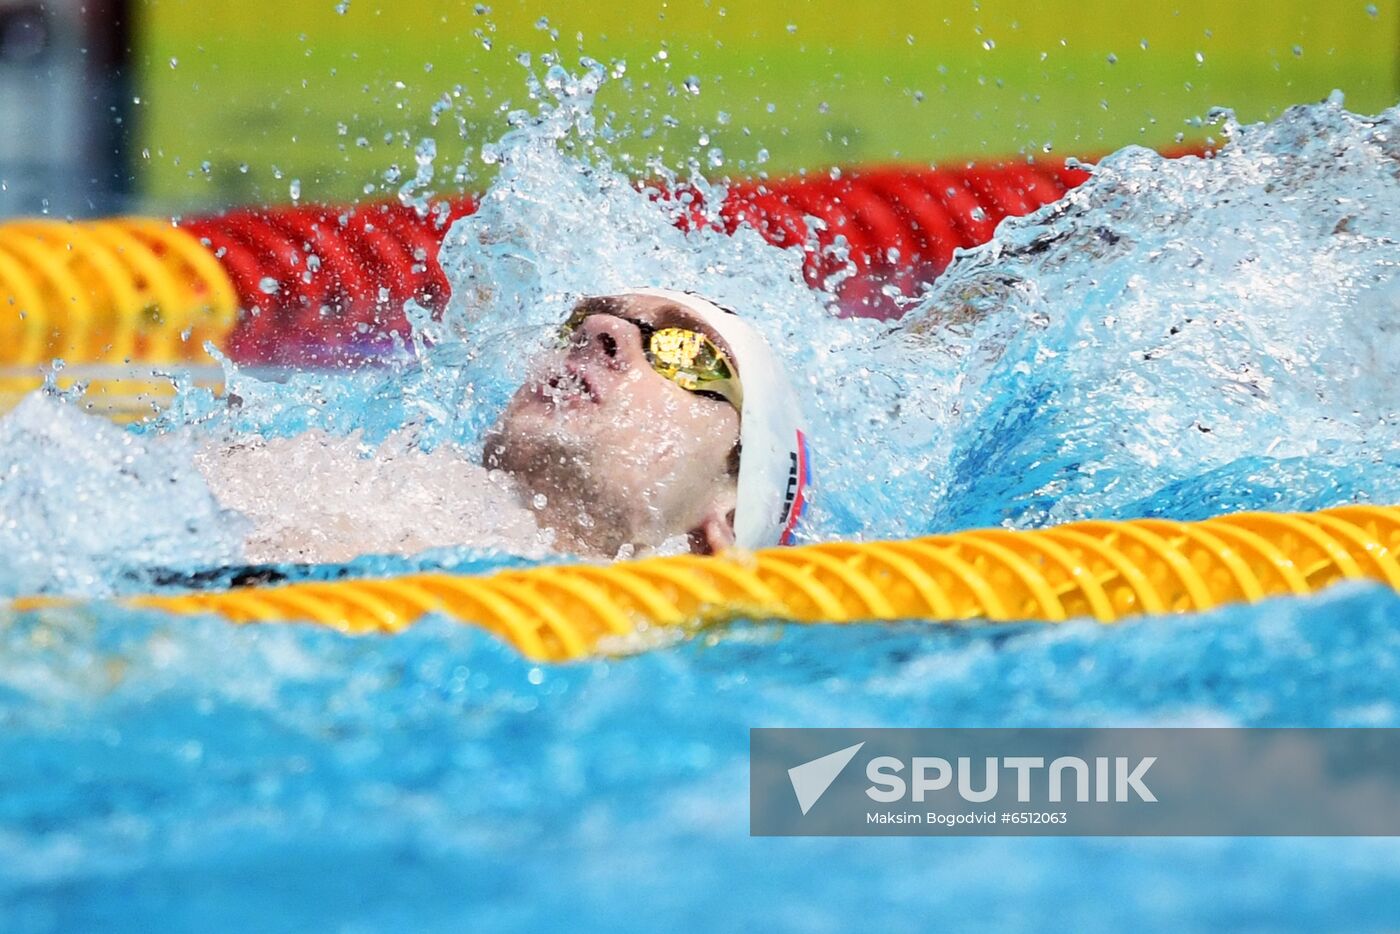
(658, 422)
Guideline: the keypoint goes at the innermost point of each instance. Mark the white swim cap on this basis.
(774, 472)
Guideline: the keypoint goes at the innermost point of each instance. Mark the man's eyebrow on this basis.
(600, 305)
(673, 314)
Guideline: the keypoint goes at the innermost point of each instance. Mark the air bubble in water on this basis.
(268, 285)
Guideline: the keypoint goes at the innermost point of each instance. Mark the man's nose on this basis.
(615, 339)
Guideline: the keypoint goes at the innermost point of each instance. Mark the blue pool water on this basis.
(1174, 339)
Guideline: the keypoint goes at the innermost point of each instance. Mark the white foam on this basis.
(315, 497)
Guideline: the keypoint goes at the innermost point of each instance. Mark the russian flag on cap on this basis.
(797, 490)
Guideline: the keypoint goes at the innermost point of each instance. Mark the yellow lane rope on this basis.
(108, 293)
(1102, 570)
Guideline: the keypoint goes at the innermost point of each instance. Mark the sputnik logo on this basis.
(810, 780)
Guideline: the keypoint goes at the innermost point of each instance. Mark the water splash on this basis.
(84, 503)
(1174, 338)
(561, 222)
(1222, 323)
(1228, 323)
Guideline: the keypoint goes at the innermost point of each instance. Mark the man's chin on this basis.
(539, 447)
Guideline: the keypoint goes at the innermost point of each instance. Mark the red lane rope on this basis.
(934, 231)
(329, 283)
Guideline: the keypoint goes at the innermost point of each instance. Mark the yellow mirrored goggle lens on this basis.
(693, 361)
(682, 349)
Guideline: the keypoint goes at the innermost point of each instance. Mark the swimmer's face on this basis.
(620, 454)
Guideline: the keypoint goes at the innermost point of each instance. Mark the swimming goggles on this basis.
(686, 357)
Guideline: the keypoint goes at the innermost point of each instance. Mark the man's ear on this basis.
(715, 532)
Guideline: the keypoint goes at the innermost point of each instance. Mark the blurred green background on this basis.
(266, 100)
